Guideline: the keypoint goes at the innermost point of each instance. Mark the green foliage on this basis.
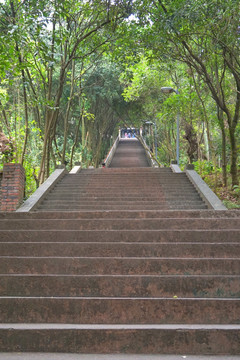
(231, 205)
(31, 173)
(87, 67)
(204, 167)
(236, 190)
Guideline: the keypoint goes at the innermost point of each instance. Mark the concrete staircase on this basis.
(120, 281)
(123, 189)
(120, 260)
(129, 154)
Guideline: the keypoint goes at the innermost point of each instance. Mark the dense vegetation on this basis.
(72, 72)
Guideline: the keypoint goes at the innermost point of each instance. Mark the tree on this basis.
(47, 38)
(208, 42)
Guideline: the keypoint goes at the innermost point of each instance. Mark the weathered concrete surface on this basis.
(54, 356)
(119, 214)
(75, 169)
(206, 193)
(112, 290)
(175, 168)
(42, 191)
(119, 224)
(131, 339)
(116, 265)
(117, 311)
(129, 153)
(123, 286)
(111, 153)
(129, 282)
(121, 188)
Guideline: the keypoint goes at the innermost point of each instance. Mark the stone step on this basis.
(79, 310)
(220, 236)
(135, 339)
(130, 188)
(91, 201)
(125, 179)
(69, 356)
(96, 202)
(204, 286)
(166, 206)
(155, 214)
(117, 266)
(109, 207)
(86, 195)
(119, 224)
(128, 197)
(138, 186)
(123, 175)
(128, 174)
(117, 249)
(148, 181)
(124, 190)
(187, 214)
(126, 170)
(115, 193)
(123, 194)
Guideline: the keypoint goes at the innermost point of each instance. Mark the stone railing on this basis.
(108, 159)
(151, 161)
(32, 202)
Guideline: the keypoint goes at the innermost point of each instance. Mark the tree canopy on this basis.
(72, 72)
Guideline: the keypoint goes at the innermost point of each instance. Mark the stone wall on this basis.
(12, 187)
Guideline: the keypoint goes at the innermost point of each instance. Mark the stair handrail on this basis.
(34, 200)
(152, 159)
(108, 158)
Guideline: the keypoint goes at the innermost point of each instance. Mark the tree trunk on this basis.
(4, 115)
(25, 115)
(234, 157)
(66, 119)
(224, 158)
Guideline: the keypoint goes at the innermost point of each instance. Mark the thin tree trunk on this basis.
(77, 132)
(26, 117)
(5, 119)
(224, 157)
(66, 119)
(204, 112)
(234, 172)
(20, 60)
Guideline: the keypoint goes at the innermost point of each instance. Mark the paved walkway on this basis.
(55, 356)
